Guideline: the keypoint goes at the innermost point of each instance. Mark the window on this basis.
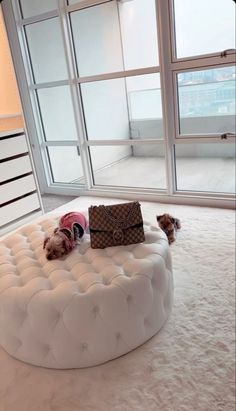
(132, 96)
(58, 121)
(207, 101)
(112, 166)
(205, 167)
(31, 8)
(46, 51)
(203, 27)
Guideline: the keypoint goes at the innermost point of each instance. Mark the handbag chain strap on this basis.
(119, 220)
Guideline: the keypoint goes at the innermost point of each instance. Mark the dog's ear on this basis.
(177, 223)
(45, 242)
(173, 220)
(159, 217)
(67, 245)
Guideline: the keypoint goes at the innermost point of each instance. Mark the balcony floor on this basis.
(193, 174)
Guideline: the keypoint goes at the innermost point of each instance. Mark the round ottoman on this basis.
(86, 309)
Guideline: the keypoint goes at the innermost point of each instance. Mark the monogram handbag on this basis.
(118, 224)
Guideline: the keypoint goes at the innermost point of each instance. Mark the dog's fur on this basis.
(169, 225)
(58, 245)
(65, 237)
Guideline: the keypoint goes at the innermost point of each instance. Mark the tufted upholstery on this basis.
(93, 306)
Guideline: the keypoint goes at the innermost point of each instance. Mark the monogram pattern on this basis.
(119, 224)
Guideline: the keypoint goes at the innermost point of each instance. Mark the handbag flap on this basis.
(108, 218)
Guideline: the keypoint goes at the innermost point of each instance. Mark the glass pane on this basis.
(46, 51)
(123, 108)
(97, 39)
(105, 109)
(204, 27)
(207, 101)
(115, 36)
(138, 24)
(144, 97)
(57, 113)
(31, 8)
(129, 166)
(205, 167)
(66, 165)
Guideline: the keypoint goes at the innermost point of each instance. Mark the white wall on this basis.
(153, 129)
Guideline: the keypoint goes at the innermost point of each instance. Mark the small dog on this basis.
(169, 225)
(71, 229)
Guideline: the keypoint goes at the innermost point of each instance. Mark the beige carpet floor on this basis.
(51, 201)
(188, 366)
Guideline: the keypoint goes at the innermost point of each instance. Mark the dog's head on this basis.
(168, 224)
(57, 245)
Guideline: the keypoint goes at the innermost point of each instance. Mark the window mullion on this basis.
(85, 4)
(38, 18)
(200, 62)
(167, 86)
(130, 142)
(119, 74)
(58, 143)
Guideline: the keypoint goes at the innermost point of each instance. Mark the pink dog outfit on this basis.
(73, 224)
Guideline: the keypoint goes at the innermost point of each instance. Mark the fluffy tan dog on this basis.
(71, 229)
(169, 225)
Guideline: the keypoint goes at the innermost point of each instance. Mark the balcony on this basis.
(199, 167)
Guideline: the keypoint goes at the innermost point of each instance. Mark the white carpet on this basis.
(187, 366)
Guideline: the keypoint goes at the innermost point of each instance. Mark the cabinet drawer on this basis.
(16, 188)
(19, 208)
(12, 146)
(14, 168)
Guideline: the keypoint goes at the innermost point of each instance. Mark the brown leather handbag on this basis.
(118, 224)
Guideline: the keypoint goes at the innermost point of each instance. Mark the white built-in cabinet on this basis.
(19, 194)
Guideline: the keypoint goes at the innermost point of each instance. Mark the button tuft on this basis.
(84, 347)
(118, 335)
(146, 322)
(95, 310)
(129, 298)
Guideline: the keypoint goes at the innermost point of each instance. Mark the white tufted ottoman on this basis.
(89, 308)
